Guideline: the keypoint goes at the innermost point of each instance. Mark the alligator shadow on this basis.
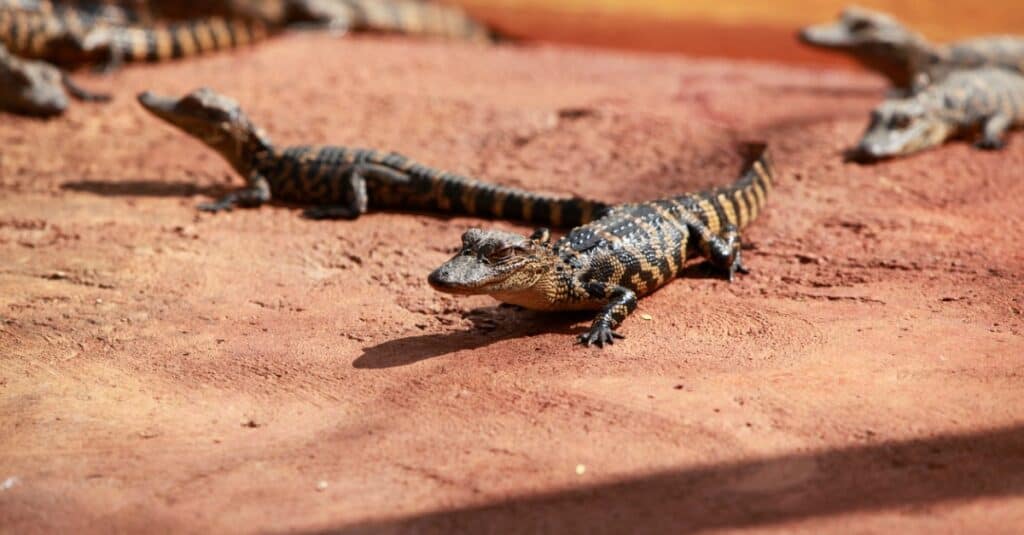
(490, 325)
(144, 188)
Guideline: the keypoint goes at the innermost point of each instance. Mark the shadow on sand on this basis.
(492, 325)
(144, 188)
(912, 475)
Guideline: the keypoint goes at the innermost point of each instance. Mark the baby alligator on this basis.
(881, 43)
(345, 182)
(990, 100)
(36, 88)
(607, 264)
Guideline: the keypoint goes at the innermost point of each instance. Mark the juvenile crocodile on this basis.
(881, 43)
(77, 32)
(72, 36)
(989, 100)
(607, 264)
(345, 182)
(36, 88)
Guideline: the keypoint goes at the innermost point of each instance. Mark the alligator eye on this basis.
(860, 25)
(501, 254)
(899, 121)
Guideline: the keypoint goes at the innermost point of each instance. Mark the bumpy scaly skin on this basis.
(74, 35)
(346, 182)
(989, 100)
(115, 31)
(36, 88)
(607, 264)
(883, 44)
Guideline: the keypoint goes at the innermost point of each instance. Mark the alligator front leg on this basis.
(621, 301)
(255, 194)
(993, 132)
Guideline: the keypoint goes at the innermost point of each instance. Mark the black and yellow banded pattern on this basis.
(414, 18)
(609, 263)
(71, 35)
(330, 175)
(642, 246)
(181, 39)
(736, 205)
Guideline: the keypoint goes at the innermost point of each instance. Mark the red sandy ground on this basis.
(255, 371)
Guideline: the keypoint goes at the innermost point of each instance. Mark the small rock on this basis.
(647, 317)
(321, 486)
(580, 469)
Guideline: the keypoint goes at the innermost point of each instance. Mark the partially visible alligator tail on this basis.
(460, 194)
(177, 40)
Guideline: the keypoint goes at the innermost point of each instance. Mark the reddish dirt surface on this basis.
(254, 371)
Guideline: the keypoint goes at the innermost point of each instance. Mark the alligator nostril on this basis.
(437, 277)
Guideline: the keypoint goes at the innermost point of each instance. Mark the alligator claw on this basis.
(736, 267)
(600, 335)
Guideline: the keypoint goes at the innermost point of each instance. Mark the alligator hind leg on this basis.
(993, 132)
(257, 193)
(724, 251)
(358, 176)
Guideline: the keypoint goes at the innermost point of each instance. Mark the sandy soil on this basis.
(254, 371)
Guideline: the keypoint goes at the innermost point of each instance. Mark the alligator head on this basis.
(508, 266)
(214, 119)
(875, 39)
(901, 127)
(30, 87)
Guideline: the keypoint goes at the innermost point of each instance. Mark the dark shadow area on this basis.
(490, 325)
(909, 474)
(858, 156)
(144, 188)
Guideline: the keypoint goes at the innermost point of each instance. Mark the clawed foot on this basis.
(990, 144)
(737, 267)
(600, 335)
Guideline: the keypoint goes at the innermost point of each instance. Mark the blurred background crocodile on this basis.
(988, 100)
(36, 88)
(73, 33)
(906, 58)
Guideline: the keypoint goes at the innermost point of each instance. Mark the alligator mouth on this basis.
(460, 279)
(823, 36)
(440, 280)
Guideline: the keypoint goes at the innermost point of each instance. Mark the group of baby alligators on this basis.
(612, 255)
